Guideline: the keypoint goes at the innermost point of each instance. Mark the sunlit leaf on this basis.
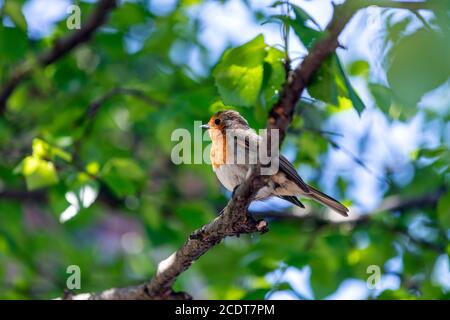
(274, 75)
(38, 173)
(42, 149)
(239, 74)
(359, 68)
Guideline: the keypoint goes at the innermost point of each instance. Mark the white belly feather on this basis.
(231, 175)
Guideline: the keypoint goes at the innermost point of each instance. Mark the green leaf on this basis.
(218, 106)
(18, 50)
(128, 14)
(351, 93)
(239, 74)
(38, 173)
(306, 34)
(123, 176)
(330, 84)
(396, 29)
(323, 85)
(274, 75)
(304, 16)
(435, 152)
(418, 63)
(38, 170)
(400, 294)
(443, 210)
(324, 270)
(382, 96)
(379, 249)
(359, 68)
(438, 157)
(13, 9)
(256, 294)
(193, 214)
(42, 149)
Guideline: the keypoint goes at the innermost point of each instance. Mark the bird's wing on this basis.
(247, 139)
(293, 200)
(291, 174)
(284, 165)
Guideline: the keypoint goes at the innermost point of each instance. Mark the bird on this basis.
(285, 183)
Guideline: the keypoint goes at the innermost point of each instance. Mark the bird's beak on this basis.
(205, 126)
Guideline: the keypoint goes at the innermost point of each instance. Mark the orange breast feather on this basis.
(218, 150)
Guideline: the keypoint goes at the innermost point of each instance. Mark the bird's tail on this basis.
(327, 201)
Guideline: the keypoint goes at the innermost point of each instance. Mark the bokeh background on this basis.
(86, 176)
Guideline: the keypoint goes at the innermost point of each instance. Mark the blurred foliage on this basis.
(96, 187)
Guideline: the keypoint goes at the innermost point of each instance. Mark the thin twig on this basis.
(347, 152)
(422, 19)
(87, 119)
(60, 48)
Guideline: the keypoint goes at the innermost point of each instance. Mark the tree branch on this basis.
(60, 48)
(234, 219)
(280, 115)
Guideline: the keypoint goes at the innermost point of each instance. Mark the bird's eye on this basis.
(217, 121)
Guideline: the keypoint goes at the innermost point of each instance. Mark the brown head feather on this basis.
(228, 119)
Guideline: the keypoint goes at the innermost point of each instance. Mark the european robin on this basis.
(285, 183)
